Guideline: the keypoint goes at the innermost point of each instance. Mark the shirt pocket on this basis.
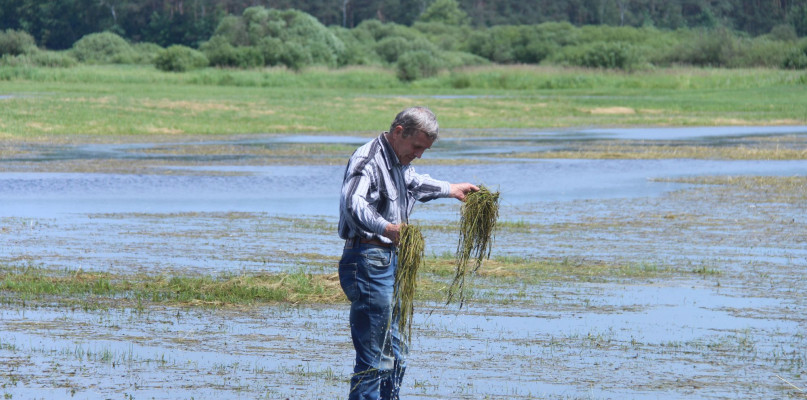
(388, 188)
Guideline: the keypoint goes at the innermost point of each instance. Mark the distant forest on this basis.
(57, 25)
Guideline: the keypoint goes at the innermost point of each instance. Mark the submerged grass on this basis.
(478, 219)
(33, 283)
(748, 148)
(410, 258)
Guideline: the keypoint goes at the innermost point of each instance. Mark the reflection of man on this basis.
(378, 193)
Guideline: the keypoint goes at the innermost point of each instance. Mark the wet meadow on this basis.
(174, 235)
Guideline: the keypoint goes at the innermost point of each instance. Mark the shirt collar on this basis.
(389, 155)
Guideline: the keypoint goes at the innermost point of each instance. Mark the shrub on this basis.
(16, 42)
(248, 57)
(391, 48)
(784, 33)
(456, 59)
(796, 58)
(146, 53)
(103, 48)
(49, 59)
(295, 56)
(760, 52)
(710, 48)
(418, 64)
(313, 42)
(600, 55)
(358, 47)
(179, 58)
(272, 50)
(220, 52)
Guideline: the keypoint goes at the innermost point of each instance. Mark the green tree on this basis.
(446, 12)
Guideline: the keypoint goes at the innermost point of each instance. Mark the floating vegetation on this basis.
(477, 224)
(410, 258)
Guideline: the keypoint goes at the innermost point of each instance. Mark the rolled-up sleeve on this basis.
(424, 188)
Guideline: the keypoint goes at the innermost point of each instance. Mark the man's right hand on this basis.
(393, 232)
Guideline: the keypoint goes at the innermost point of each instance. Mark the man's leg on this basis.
(367, 276)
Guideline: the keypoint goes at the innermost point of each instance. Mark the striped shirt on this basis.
(377, 190)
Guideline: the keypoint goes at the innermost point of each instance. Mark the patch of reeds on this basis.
(410, 258)
(478, 217)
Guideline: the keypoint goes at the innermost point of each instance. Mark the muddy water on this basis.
(734, 330)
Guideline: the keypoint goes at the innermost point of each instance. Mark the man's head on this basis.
(413, 131)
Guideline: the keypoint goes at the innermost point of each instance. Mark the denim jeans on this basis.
(367, 276)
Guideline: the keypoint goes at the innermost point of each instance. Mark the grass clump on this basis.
(477, 224)
(410, 258)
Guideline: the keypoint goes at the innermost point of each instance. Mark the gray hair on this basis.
(416, 119)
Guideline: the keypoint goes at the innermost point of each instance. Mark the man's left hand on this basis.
(459, 190)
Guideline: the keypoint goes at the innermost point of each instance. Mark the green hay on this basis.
(410, 258)
(477, 224)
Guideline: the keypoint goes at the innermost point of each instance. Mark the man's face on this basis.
(411, 147)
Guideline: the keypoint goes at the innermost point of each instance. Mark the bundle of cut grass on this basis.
(477, 224)
(410, 257)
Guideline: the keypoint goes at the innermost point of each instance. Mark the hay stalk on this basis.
(477, 224)
(410, 257)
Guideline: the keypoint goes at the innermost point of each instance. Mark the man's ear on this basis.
(398, 131)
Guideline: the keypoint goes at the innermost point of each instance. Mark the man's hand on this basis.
(459, 190)
(393, 232)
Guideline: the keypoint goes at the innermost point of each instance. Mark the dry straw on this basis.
(477, 224)
(410, 257)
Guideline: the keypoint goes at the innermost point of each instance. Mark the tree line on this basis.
(59, 24)
(441, 38)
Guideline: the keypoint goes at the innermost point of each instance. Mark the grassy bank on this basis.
(139, 100)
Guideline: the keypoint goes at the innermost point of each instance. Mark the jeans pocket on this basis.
(378, 263)
(348, 280)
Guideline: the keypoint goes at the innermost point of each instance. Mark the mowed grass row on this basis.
(139, 100)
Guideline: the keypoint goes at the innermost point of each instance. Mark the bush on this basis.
(103, 48)
(759, 52)
(49, 59)
(179, 58)
(16, 42)
(220, 52)
(358, 47)
(796, 58)
(784, 33)
(418, 64)
(295, 56)
(710, 48)
(313, 42)
(391, 48)
(146, 53)
(600, 55)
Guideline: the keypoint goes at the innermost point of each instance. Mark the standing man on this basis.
(378, 194)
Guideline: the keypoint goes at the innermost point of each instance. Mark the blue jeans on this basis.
(367, 276)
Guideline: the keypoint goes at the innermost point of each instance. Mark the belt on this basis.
(352, 242)
(375, 242)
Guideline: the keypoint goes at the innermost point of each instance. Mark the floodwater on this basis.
(734, 330)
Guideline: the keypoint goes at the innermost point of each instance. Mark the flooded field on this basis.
(678, 255)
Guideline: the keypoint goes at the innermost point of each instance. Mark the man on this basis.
(378, 194)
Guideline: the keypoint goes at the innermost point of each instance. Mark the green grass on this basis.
(139, 100)
(30, 283)
(39, 283)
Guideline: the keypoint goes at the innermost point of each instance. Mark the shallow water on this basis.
(734, 330)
